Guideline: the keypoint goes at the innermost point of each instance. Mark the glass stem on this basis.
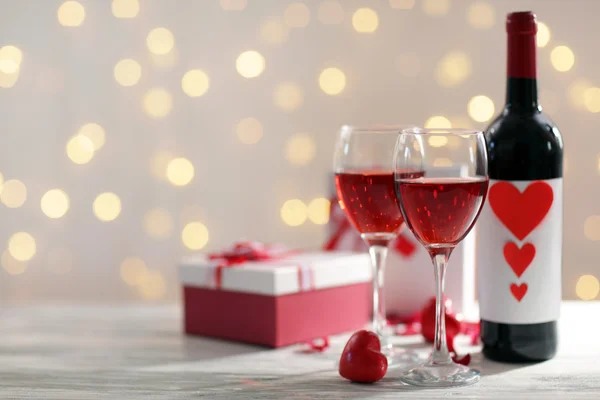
(378, 256)
(440, 353)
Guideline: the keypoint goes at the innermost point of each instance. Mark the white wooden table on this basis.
(118, 352)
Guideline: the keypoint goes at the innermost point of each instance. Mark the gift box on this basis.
(273, 297)
(409, 276)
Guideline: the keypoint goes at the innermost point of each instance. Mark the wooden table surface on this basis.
(139, 352)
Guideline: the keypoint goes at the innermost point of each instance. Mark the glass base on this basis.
(440, 375)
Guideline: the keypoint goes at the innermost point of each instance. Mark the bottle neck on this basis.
(521, 85)
(522, 95)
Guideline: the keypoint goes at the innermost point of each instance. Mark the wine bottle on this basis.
(519, 233)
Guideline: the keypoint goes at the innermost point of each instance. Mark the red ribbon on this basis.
(243, 252)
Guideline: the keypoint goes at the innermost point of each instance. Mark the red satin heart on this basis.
(519, 259)
(520, 212)
(362, 360)
(453, 326)
(518, 291)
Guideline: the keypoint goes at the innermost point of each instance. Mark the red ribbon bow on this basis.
(242, 252)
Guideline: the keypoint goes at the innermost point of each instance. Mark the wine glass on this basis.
(440, 207)
(364, 180)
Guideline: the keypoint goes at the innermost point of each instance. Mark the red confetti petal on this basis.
(464, 360)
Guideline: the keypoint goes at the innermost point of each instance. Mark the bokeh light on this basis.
(587, 287)
(55, 203)
(288, 96)
(300, 149)
(127, 72)
(294, 212)
(21, 246)
(481, 108)
(576, 93)
(296, 15)
(158, 224)
(80, 149)
(133, 270)
(591, 99)
(59, 261)
(453, 69)
(71, 13)
(12, 266)
(365, 20)
(330, 12)
(274, 31)
(591, 227)
(438, 121)
(160, 41)
(318, 210)
(8, 80)
(250, 64)
(194, 235)
(107, 206)
(481, 15)
(249, 130)
(332, 81)
(157, 103)
(435, 8)
(14, 193)
(442, 162)
(233, 5)
(10, 59)
(408, 64)
(180, 171)
(152, 285)
(543, 35)
(437, 140)
(195, 83)
(125, 8)
(562, 58)
(402, 4)
(94, 133)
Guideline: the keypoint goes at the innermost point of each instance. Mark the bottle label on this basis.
(519, 252)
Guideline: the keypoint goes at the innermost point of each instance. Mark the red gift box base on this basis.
(276, 321)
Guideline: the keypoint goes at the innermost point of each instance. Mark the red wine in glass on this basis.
(441, 211)
(369, 200)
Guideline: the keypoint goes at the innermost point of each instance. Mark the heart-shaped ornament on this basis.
(453, 326)
(362, 360)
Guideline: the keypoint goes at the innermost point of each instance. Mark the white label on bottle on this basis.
(519, 252)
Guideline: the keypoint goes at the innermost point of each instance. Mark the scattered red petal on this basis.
(464, 360)
(316, 346)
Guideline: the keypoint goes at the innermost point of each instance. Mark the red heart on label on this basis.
(520, 212)
(519, 259)
(362, 360)
(518, 290)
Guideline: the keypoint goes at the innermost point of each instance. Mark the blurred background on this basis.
(133, 132)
